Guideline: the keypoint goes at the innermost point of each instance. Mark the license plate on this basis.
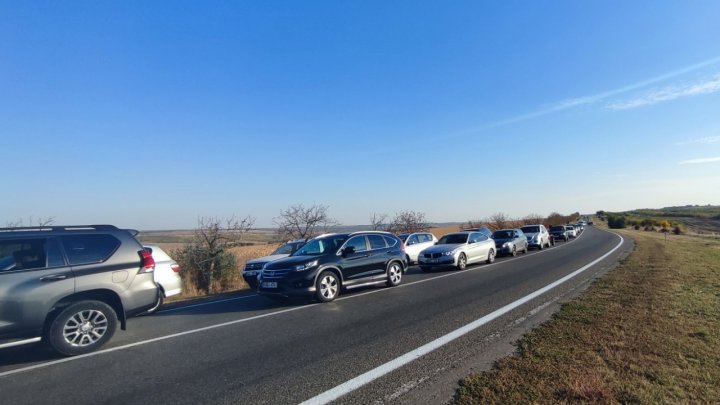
(433, 260)
(269, 284)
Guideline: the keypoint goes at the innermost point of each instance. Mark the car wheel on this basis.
(82, 328)
(158, 303)
(394, 274)
(490, 257)
(327, 286)
(462, 262)
(513, 252)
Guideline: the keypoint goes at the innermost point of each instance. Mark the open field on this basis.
(647, 332)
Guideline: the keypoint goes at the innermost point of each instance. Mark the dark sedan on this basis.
(510, 241)
(559, 233)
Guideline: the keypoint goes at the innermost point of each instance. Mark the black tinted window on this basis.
(412, 240)
(358, 243)
(390, 241)
(85, 249)
(29, 254)
(376, 242)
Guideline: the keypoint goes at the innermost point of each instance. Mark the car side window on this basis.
(358, 243)
(481, 238)
(474, 237)
(87, 249)
(29, 254)
(425, 237)
(390, 241)
(413, 240)
(376, 242)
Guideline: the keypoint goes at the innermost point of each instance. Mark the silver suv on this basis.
(71, 286)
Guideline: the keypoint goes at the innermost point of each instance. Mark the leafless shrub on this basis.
(300, 222)
(408, 222)
(40, 222)
(377, 222)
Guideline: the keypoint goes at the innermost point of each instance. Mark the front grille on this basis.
(270, 274)
(433, 255)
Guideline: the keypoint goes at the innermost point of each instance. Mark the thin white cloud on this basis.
(669, 93)
(705, 140)
(700, 161)
(585, 100)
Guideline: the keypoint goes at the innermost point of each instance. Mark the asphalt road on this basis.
(248, 349)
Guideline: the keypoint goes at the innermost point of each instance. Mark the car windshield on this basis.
(557, 228)
(453, 238)
(321, 246)
(502, 234)
(403, 237)
(530, 229)
(285, 249)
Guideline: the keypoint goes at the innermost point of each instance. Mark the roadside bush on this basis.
(616, 221)
(677, 230)
(203, 272)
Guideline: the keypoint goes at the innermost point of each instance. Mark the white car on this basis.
(166, 275)
(571, 231)
(416, 243)
(458, 250)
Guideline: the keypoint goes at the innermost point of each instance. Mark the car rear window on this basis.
(87, 249)
(390, 241)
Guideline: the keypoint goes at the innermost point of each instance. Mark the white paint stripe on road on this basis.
(143, 342)
(220, 325)
(392, 365)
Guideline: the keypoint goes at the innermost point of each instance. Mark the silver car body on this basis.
(538, 239)
(167, 272)
(416, 243)
(476, 248)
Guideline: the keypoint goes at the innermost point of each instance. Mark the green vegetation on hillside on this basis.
(692, 211)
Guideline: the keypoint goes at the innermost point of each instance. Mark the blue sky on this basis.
(151, 114)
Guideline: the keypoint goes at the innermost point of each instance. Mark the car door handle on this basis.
(54, 277)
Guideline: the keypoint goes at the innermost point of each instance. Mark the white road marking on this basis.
(377, 372)
(234, 322)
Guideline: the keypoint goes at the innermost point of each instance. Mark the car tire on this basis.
(462, 262)
(91, 325)
(327, 286)
(491, 256)
(394, 274)
(158, 303)
(513, 252)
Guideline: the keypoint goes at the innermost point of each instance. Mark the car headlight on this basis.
(306, 266)
(450, 253)
(506, 244)
(250, 273)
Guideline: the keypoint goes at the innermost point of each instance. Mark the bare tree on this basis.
(377, 222)
(499, 220)
(207, 254)
(300, 222)
(408, 222)
(41, 222)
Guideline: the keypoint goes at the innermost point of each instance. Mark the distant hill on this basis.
(685, 211)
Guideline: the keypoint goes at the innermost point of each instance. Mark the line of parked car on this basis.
(322, 266)
(71, 286)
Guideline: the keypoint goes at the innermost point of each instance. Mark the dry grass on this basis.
(645, 333)
(242, 255)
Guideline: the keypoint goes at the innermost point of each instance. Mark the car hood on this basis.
(289, 262)
(266, 259)
(500, 241)
(442, 248)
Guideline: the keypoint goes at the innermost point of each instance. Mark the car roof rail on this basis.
(54, 228)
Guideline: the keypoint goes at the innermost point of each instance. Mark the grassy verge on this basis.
(647, 332)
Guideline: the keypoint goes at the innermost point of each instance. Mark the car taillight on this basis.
(175, 268)
(148, 263)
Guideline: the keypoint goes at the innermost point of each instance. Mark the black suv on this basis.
(333, 261)
(70, 286)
